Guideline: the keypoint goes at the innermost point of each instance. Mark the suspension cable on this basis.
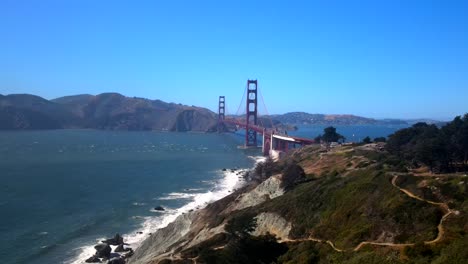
(242, 101)
(266, 110)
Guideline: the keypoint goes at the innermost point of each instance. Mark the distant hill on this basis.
(295, 118)
(103, 111)
(115, 111)
(321, 119)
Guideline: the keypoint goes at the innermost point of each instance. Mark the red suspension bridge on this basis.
(274, 141)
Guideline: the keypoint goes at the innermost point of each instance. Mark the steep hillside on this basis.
(347, 205)
(24, 111)
(103, 111)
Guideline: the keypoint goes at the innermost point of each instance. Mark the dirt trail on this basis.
(315, 240)
(443, 206)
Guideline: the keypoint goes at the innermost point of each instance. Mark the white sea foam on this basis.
(177, 196)
(85, 252)
(258, 159)
(230, 181)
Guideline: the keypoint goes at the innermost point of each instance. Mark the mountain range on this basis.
(115, 111)
(103, 111)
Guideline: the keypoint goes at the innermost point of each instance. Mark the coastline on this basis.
(232, 180)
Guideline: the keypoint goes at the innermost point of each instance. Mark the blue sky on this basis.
(401, 59)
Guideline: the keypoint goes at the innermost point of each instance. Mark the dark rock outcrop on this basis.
(103, 250)
(116, 260)
(93, 259)
(159, 208)
(115, 241)
(119, 248)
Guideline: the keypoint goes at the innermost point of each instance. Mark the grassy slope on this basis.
(349, 199)
(358, 207)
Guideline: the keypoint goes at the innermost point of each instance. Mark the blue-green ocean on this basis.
(62, 191)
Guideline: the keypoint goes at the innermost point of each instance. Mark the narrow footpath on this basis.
(443, 206)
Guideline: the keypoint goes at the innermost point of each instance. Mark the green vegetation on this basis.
(380, 139)
(265, 169)
(241, 225)
(292, 175)
(367, 140)
(355, 208)
(330, 135)
(241, 247)
(345, 196)
(442, 150)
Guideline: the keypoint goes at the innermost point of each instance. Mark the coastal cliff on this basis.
(349, 204)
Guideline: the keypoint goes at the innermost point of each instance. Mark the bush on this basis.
(380, 139)
(265, 169)
(262, 249)
(291, 176)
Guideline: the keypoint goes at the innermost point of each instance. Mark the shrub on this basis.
(291, 176)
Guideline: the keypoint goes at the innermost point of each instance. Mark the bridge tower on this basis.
(221, 111)
(251, 112)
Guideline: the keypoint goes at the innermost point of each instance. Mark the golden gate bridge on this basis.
(274, 141)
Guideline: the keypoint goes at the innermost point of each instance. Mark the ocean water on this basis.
(62, 191)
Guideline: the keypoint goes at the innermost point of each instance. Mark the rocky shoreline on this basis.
(104, 251)
(116, 251)
(196, 227)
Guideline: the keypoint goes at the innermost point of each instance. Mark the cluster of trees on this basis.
(330, 135)
(368, 140)
(442, 149)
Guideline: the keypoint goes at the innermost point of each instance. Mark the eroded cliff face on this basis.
(159, 244)
(197, 227)
(272, 223)
(268, 189)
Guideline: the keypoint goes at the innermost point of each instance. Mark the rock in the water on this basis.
(224, 169)
(139, 232)
(116, 261)
(93, 259)
(159, 208)
(115, 241)
(103, 250)
(119, 248)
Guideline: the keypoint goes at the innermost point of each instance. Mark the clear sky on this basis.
(401, 59)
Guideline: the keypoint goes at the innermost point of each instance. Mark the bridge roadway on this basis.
(272, 139)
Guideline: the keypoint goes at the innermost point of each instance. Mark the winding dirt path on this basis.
(443, 206)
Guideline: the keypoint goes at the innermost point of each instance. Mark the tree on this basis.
(380, 139)
(330, 135)
(366, 140)
(242, 225)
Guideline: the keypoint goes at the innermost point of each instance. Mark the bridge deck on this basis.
(267, 132)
